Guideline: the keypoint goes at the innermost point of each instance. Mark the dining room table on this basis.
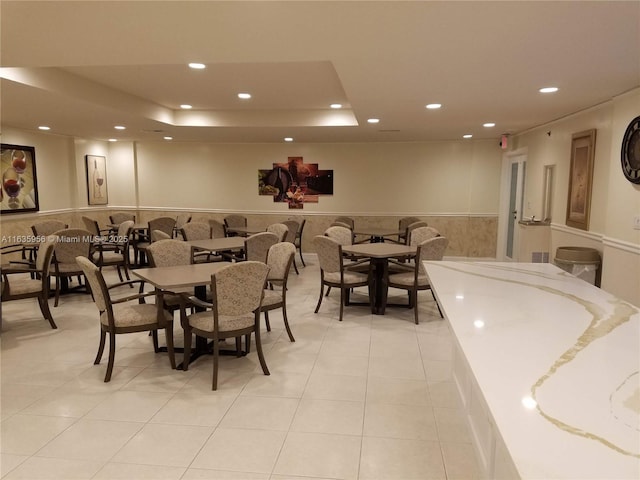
(380, 254)
(179, 277)
(244, 231)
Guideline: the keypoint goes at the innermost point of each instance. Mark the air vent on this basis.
(387, 131)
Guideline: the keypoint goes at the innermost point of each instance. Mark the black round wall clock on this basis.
(630, 156)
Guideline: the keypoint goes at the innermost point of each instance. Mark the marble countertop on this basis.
(557, 361)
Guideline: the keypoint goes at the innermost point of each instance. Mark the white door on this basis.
(512, 201)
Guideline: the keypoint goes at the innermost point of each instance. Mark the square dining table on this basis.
(176, 277)
(380, 254)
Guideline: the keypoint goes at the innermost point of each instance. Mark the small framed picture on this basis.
(581, 179)
(97, 180)
(19, 189)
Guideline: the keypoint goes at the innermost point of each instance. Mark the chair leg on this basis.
(154, 335)
(295, 266)
(169, 334)
(414, 295)
(328, 291)
(216, 352)
(341, 301)
(119, 273)
(320, 299)
(302, 258)
(44, 308)
(266, 321)
(112, 356)
(437, 305)
(263, 363)
(238, 347)
(286, 323)
(247, 343)
(187, 347)
(55, 303)
(103, 337)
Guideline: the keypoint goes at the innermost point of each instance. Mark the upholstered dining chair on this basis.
(157, 235)
(347, 220)
(257, 245)
(410, 228)
(18, 287)
(118, 217)
(181, 220)
(420, 234)
(291, 237)
(218, 229)
(334, 273)
(279, 229)
(163, 224)
(168, 253)
(93, 226)
(123, 316)
(232, 221)
(403, 223)
(237, 292)
(115, 250)
(298, 242)
(279, 260)
(199, 231)
(342, 235)
(47, 227)
(72, 242)
(413, 279)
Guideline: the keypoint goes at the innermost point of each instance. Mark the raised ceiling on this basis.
(84, 67)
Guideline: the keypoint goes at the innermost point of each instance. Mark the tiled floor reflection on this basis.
(367, 398)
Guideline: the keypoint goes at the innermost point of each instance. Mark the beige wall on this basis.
(614, 202)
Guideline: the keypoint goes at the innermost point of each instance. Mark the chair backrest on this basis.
(280, 229)
(329, 253)
(169, 253)
(96, 282)
(411, 228)
(72, 242)
(124, 231)
(421, 234)
(279, 260)
(218, 229)
(404, 222)
(45, 253)
(348, 220)
(432, 249)
(157, 235)
(340, 224)
(196, 231)
(235, 221)
(238, 288)
(182, 219)
(257, 246)
(91, 225)
(119, 217)
(48, 227)
(342, 235)
(164, 224)
(292, 233)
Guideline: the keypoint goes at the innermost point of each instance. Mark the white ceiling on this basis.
(83, 67)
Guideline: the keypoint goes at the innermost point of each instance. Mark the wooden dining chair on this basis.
(414, 279)
(123, 315)
(279, 260)
(257, 246)
(17, 286)
(237, 292)
(72, 242)
(280, 229)
(334, 272)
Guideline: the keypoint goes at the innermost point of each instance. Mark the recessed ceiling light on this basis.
(489, 124)
(373, 120)
(434, 106)
(44, 127)
(244, 96)
(468, 135)
(548, 90)
(186, 106)
(336, 105)
(113, 139)
(168, 138)
(120, 127)
(288, 139)
(197, 66)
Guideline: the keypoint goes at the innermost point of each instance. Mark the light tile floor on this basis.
(367, 398)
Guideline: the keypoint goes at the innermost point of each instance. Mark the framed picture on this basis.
(580, 179)
(96, 180)
(19, 192)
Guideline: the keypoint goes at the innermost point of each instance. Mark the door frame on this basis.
(519, 156)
